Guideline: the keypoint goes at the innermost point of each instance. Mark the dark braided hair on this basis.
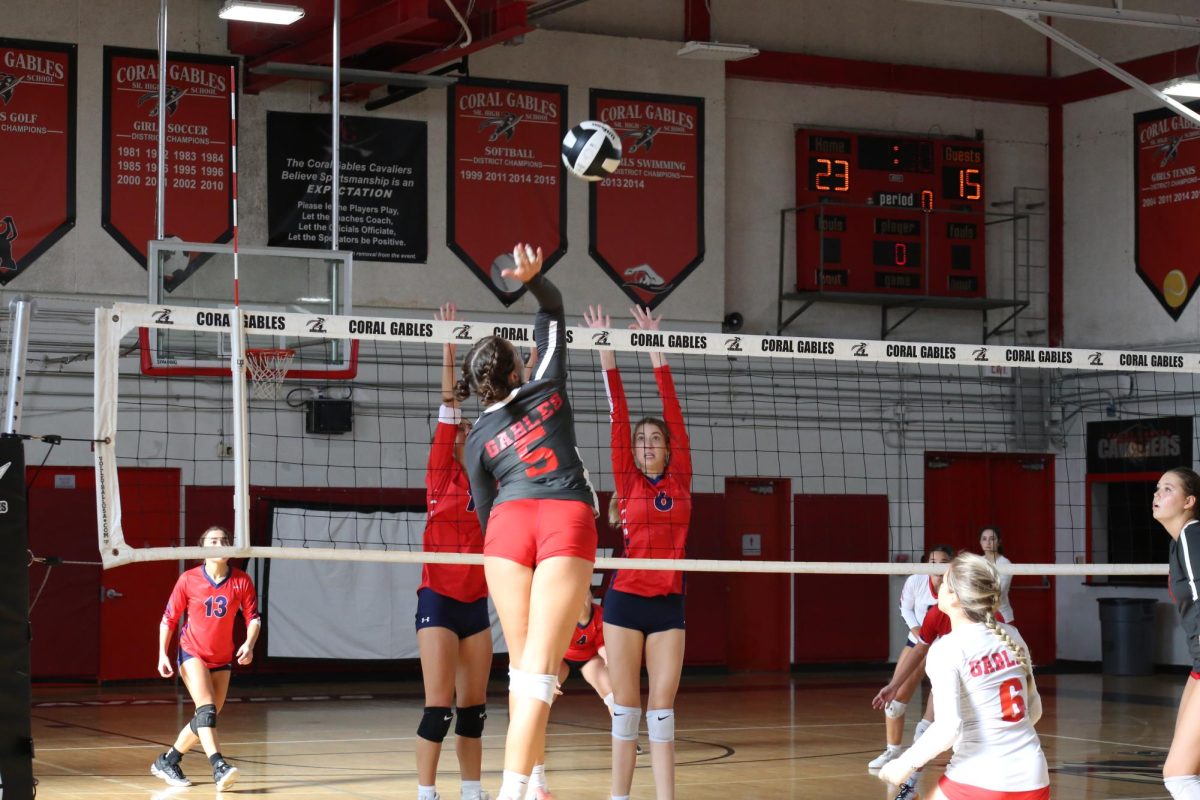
(487, 371)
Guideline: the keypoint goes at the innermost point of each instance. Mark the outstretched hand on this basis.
(528, 263)
(595, 317)
(886, 695)
(446, 313)
(643, 320)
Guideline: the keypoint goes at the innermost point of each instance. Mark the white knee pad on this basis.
(894, 709)
(531, 684)
(609, 701)
(660, 722)
(625, 722)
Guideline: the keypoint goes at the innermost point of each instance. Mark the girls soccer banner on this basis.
(505, 176)
(37, 150)
(199, 192)
(1166, 162)
(647, 219)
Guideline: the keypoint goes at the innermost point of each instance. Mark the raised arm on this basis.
(595, 317)
(621, 445)
(447, 313)
(643, 320)
(440, 468)
(549, 324)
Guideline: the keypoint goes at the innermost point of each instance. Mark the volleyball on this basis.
(592, 150)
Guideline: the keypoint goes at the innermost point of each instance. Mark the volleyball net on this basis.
(879, 449)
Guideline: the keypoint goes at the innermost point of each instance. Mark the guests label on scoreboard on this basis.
(504, 175)
(383, 206)
(647, 219)
(1167, 201)
(1140, 445)
(199, 191)
(37, 150)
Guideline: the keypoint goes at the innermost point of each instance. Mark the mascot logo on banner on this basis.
(1167, 196)
(647, 219)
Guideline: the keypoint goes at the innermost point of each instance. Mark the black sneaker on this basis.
(224, 775)
(908, 790)
(171, 773)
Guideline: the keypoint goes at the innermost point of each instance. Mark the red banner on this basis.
(37, 150)
(1167, 187)
(647, 219)
(505, 176)
(199, 192)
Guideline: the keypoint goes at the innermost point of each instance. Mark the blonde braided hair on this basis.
(976, 583)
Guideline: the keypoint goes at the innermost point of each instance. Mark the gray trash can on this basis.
(1127, 635)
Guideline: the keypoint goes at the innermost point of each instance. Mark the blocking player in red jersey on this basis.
(1176, 499)
(206, 599)
(536, 509)
(985, 699)
(644, 609)
(454, 633)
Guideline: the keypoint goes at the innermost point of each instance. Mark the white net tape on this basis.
(267, 369)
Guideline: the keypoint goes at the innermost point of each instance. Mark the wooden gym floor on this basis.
(759, 736)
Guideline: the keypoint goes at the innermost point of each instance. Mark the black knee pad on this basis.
(435, 723)
(470, 721)
(206, 717)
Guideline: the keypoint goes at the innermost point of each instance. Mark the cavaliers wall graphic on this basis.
(199, 192)
(37, 150)
(647, 219)
(504, 175)
(1166, 162)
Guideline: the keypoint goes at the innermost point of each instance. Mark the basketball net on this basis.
(267, 368)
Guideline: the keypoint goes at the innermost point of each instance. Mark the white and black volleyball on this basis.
(592, 150)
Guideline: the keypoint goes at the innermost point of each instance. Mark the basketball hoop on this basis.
(267, 368)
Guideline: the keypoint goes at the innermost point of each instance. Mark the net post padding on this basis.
(267, 367)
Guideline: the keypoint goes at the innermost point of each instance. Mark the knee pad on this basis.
(660, 723)
(470, 721)
(531, 684)
(625, 722)
(435, 723)
(894, 709)
(206, 717)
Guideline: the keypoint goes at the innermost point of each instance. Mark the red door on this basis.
(841, 618)
(1015, 492)
(756, 616)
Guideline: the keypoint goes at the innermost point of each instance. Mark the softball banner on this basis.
(647, 219)
(199, 191)
(504, 175)
(37, 150)
(1166, 163)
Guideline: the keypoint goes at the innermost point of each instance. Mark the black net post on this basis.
(16, 737)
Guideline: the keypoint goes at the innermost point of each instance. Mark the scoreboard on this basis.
(889, 214)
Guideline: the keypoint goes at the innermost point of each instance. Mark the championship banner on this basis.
(647, 219)
(504, 173)
(1166, 180)
(37, 150)
(383, 211)
(199, 192)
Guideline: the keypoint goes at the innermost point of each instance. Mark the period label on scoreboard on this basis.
(1167, 204)
(37, 150)
(891, 214)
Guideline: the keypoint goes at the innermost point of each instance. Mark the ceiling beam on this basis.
(1052, 8)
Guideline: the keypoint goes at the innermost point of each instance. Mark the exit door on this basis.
(758, 611)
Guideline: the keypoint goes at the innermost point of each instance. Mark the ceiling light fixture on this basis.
(254, 11)
(1184, 87)
(717, 51)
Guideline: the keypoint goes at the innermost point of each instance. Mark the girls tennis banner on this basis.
(1166, 184)
(199, 191)
(504, 175)
(37, 150)
(647, 219)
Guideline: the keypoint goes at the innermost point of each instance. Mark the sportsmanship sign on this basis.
(382, 214)
(199, 192)
(1138, 445)
(1167, 193)
(505, 176)
(647, 219)
(37, 150)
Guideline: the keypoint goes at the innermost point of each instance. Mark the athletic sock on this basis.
(216, 758)
(428, 792)
(1183, 787)
(173, 757)
(513, 786)
(620, 797)
(922, 726)
(471, 790)
(538, 778)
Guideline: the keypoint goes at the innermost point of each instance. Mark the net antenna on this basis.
(238, 363)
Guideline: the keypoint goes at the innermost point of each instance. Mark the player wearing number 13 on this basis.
(984, 696)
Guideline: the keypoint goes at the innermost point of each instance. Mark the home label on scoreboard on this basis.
(891, 214)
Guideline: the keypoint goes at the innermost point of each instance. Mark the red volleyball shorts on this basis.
(531, 530)
(963, 791)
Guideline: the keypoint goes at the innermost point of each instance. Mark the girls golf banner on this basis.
(504, 174)
(1166, 185)
(647, 219)
(199, 189)
(37, 150)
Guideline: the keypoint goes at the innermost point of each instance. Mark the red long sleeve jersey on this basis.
(207, 609)
(452, 526)
(587, 639)
(654, 513)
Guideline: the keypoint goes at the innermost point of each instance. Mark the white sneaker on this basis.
(887, 755)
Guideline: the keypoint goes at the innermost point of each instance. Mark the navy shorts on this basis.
(438, 611)
(184, 655)
(649, 615)
(576, 665)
